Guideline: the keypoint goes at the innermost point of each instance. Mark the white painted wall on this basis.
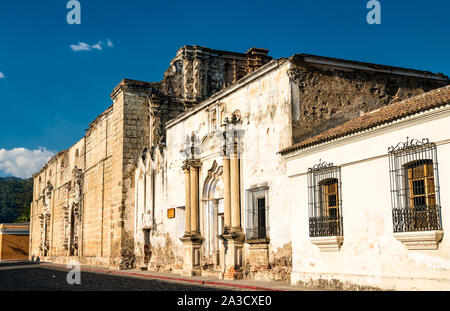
(370, 254)
(264, 105)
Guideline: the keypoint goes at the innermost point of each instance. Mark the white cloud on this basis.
(22, 162)
(82, 46)
(97, 46)
(2, 75)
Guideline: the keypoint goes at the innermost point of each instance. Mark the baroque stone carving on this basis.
(72, 213)
(197, 72)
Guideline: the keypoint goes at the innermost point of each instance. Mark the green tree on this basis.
(16, 195)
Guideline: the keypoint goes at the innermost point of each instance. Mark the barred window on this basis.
(257, 213)
(324, 198)
(414, 186)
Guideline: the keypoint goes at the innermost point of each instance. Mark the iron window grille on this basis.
(414, 183)
(257, 214)
(325, 200)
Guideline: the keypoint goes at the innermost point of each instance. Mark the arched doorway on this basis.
(213, 218)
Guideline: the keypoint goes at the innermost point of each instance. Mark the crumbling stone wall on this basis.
(198, 72)
(325, 96)
(162, 256)
(278, 269)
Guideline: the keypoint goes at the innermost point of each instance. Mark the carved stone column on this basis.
(215, 225)
(187, 194)
(192, 240)
(226, 193)
(234, 239)
(194, 166)
(235, 195)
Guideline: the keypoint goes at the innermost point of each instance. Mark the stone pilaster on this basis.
(187, 193)
(234, 239)
(235, 195)
(194, 167)
(215, 225)
(233, 244)
(226, 193)
(192, 240)
(191, 260)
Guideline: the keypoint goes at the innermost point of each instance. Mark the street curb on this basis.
(260, 288)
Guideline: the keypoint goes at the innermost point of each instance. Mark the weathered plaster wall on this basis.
(264, 106)
(326, 95)
(370, 257)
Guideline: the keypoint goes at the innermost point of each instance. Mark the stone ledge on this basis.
(258, 242)
(328, 243)
(425, 240)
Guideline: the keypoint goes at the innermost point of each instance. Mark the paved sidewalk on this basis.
(199, 280)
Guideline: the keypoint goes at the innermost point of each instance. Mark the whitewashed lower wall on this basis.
(370, 257)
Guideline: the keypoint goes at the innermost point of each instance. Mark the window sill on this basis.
(258, 241)
(425, 240)
(328, 243)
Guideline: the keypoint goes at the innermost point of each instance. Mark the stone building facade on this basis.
(185, 174)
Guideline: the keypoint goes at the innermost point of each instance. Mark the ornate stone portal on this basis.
(72, 215)
(233, 236)
(45, 220)
(213, 250)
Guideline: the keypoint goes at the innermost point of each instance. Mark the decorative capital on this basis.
(185, 165)
(195, 163)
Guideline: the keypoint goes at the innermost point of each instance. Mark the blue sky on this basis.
(49, 93)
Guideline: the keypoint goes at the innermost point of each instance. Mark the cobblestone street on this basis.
(23, 276)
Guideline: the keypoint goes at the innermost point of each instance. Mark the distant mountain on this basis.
(16, 195)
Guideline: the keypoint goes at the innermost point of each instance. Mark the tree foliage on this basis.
(16, 195)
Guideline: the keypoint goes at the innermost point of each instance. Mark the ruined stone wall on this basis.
(151, 214)
(326, 96)
(145, 112)
(52, 185)
(97, 189)
(106, 157)
(136, 137)
(88, 174)
(198, 72)
(264, 106)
